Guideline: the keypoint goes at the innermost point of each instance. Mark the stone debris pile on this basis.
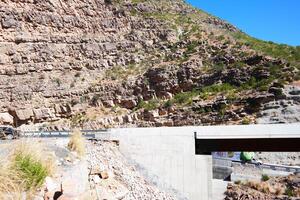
(113, 177)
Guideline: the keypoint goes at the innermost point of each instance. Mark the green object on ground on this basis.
(246, 156)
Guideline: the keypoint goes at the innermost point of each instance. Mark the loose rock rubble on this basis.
(122, 180)
(282, 188)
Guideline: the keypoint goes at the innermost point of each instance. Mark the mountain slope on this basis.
(96, 63)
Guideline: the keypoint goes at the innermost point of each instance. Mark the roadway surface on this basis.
(260, 165)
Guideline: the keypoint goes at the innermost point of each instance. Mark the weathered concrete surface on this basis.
(219, 187)
(168, 157)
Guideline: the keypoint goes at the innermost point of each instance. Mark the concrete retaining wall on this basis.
(168, 157)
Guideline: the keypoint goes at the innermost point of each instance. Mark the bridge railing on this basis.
(276, 167)
(65, 133)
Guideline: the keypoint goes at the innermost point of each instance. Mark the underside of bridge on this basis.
(206, 146)
(259, 138)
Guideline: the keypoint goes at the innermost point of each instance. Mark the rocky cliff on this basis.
(100, 63)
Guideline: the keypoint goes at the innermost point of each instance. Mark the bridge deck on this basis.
(248, 131)
(273, 137)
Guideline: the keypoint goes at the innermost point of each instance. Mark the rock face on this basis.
(285, 109)
(59, 59)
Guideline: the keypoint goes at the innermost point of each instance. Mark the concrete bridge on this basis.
(179, 158)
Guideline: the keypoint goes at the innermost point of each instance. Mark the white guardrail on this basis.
(65, 133)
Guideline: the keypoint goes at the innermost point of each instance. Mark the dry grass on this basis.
(77, 143)
(297, 192)
(11, 186)
(24, 170)
(265, 187)
(278, 189)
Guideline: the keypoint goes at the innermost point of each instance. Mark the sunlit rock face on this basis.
(131, 63)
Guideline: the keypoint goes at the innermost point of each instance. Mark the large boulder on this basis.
(43, 113)
(128, 103)
(151, 115)
(24, 114)
(6, 118)
(63, 110)
(9, 22)
(108, 103)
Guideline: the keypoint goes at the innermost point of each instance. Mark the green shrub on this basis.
(124, 72)
(191, 48)
(240, 64)
(275, 70)
(168, 104)
(270, 48)
(289, 191)
(231, 95)
(265, 177)
(219, 67)
(32, 171)
(211, 90)
(246, 121)
(208, 110)
(150, 105)
(137, 1)
(78, 119)
(253, 83)
(222, 110)
(218, 88)
(220, 37)
(185, 97)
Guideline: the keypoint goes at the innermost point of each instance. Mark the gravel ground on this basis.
(246, 169)
(281, 158)
(106, 156)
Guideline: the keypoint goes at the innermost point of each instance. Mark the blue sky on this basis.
(272, 20)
